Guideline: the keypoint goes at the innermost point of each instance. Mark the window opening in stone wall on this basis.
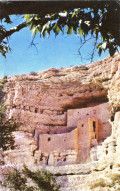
(106, 152)
(112, 118)
(95, 136)
(82, 125)
(111, 166)
(94, 126)
(49, 139)
(36, 110)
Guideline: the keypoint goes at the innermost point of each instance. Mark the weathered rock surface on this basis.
(43, 98)
(40, 102)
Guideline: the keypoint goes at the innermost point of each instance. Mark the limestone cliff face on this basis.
(43, 98)
(40, 102)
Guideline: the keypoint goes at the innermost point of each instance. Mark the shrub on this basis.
(16, 181)
(6, 137)
(6, 129)
(41, 179)
(3, 81)
(33, 73)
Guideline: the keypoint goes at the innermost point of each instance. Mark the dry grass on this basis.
(114, 182)
(99, 183)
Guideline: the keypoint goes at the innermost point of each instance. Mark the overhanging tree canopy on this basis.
(96, 19)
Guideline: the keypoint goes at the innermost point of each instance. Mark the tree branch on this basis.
(12, 30)
(33, 44)
(82, 44)
(94, 49)
(43, 7)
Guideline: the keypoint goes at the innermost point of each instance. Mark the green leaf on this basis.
(27, 17)
(66, 28)
(100, 51)
(80, 31)
(74, 13)
(69, 32)
(99, 45)
(57, 30)
(44, 33)
(54, 25)
(32, 26)
(60, 27)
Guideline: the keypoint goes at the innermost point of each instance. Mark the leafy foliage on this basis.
(100, 22)
(16, 181)
(6, 127)
(3, 81)
(4, 47)
(42, 180)
(6, 137)
(93, 22)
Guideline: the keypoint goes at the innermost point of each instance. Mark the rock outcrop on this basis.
(40, 103)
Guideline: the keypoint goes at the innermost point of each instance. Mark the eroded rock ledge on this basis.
(50, 103)
(43, 98)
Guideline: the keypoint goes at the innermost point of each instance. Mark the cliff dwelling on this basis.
(64, 135)
(66, 113)
(88, 127)
(63, 118)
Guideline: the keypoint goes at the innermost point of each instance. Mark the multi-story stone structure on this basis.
(86, 132)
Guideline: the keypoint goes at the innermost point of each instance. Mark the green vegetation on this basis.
(6, 126)
(97, 21)
(3, 81)
(6, 137)
(41, 180)
(82, 22)
(16, 181)
(33, 73)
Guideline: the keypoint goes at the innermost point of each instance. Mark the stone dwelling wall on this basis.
(83, 140)
(83, 135)
(100, 112)
(42, 129)
(78, 140)
(58, 142)
(86, 137)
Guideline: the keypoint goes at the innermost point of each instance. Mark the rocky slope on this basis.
(39, 102)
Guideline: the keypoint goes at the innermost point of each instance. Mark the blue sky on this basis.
(51, 52)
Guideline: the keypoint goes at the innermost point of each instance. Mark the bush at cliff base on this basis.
(40, 180)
